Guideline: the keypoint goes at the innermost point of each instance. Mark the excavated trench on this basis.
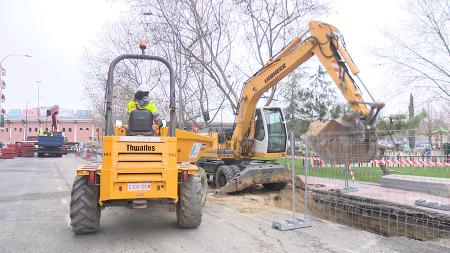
(381, 217)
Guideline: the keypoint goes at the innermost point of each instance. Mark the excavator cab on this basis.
(270, 132)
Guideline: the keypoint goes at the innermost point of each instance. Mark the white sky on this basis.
(55, 32)
(362, 23)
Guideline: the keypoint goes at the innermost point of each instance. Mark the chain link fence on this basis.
(391, 183)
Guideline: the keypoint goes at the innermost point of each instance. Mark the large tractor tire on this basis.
(192, 197)
(84, 208)
(224, 174)
(275, 186)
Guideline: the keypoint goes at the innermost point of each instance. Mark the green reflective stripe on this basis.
(151, 107)
(132, 105)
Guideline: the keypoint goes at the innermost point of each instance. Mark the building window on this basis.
(46, 129)
(7, 129)
(81, 129)
(70, 129)
(35, 129)
(30, 129)
(15, 129)
(64, 129)
(20, 129)
(87, 128)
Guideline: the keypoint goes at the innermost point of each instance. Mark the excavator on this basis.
(261, 132)
(145, 164)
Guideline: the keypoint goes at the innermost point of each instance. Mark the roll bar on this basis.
(109, 90)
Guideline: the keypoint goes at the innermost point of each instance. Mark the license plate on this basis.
(139, 187)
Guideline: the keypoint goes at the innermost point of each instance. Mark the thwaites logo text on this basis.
(273, 74)
(140, 148)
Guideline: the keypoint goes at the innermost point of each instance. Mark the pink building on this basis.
(77, 125)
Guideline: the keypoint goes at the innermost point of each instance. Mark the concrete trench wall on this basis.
(375, 216)
(429, 185)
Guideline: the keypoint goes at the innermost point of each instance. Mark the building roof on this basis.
(16, 114)
(45, 120)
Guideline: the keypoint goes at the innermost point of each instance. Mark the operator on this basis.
(142, 101)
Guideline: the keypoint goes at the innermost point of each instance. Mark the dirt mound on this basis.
(250, 201)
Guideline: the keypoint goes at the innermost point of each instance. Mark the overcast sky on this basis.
(55, 32)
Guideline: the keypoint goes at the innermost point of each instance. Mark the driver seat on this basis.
(140, 123)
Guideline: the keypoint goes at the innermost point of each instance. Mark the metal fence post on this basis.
(293, 175)
(295, 222)
(306, 179)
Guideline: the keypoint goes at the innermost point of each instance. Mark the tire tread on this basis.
(84, 209)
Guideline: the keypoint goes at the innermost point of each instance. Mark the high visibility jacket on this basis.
(41, 133)
(133, 105)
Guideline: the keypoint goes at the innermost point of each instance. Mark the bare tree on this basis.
(121, 38)
(198, 38)
(271, 24)
(429, 125)
(419, 54)
(201, 32)
(116, 39)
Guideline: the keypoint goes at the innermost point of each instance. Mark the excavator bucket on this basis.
(343, 140)
(258, 173)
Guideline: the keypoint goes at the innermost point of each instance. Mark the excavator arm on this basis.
(326, 43)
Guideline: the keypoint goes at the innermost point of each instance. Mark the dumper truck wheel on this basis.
(275, 186)
(40, 154)
(192, 197)
(84, 209)
(224, 174)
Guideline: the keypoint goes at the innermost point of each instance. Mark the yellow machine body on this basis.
(142, 164)
(157, 160)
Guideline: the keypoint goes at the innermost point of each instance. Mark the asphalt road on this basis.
(34, 207)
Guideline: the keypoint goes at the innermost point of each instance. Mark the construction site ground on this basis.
(34, 217)
(375, 191)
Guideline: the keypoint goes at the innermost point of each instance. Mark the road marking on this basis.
(64, 201)
(59, 188)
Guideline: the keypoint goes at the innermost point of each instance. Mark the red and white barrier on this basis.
(299, 157)
(401, 162)
(410, 162)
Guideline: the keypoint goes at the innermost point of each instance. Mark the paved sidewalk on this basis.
(376, 191)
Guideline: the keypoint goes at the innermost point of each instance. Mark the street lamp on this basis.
(1, 73)
(26, 116)
(4, 58)
(39, 111)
